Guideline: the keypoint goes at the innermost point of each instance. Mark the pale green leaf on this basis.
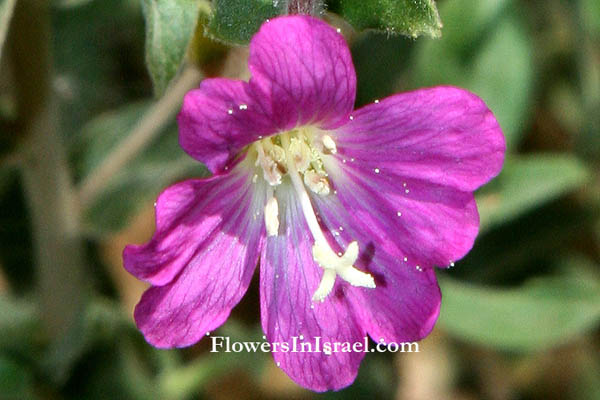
(542, 313)
(486, 50)
(16, 380)
(590, 14)
(162, 163)
(6, 11)
(527, 182)
(170, 25)
(18, 324)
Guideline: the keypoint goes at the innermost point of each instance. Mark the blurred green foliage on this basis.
(6, 10)
(485, 49)
(162, 162)
(529, 289)
(544, 312)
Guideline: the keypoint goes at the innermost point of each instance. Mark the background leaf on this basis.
(15, 380)
(407, 17)
(486, 50)
(18, 324)
(170, 25)
(542, 313)
(526, 182)
(91, 79)
(161, 164)
(6, 11)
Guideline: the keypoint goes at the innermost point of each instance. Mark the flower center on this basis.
(298, 154)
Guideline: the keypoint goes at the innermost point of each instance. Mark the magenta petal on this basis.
(407, 166)
(288, 279)
(303, 68)
(442, 135)
(405, 304)
(427, 223)
(208, 235)
(189, 215)
(218, 119)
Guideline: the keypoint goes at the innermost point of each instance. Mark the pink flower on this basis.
(346, 211)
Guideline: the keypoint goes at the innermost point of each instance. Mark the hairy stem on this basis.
(308, 7)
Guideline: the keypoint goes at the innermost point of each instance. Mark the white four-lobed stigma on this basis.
(342, 266)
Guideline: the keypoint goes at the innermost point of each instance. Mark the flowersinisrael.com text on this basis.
(298, 345)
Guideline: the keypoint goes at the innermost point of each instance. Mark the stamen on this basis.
(272, 215)
(317, 182)
(268, 162)
(329, 144)
(301, 154)
(307, 209)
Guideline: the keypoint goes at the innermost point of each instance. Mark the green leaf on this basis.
(92, 79)
(527, 182)
(16, 381)
(183, 381)
(6, 11)
(542, 313)
(590, 14)
(170, 25)
(407, 17)
(141, 181)
(235, 21)
(486, 50)
(18, 324)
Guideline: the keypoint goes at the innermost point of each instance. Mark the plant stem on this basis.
(46, 178)
(308, 7)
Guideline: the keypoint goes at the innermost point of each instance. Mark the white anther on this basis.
(269, 161)
(301, 154)
(316, 182)
(272, 217)
(277, 153)
(329, 144)
(271, 172)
